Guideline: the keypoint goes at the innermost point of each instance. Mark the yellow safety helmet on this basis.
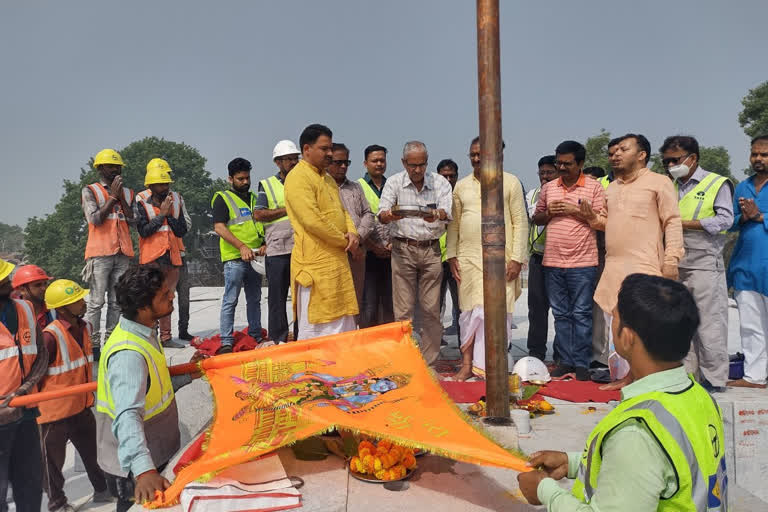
(107, 156)
(158, 171)
(5, 269)
(63, 292)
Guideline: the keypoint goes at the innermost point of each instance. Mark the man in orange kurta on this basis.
(323, 292)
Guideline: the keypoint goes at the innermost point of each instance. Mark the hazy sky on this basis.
(231, 78)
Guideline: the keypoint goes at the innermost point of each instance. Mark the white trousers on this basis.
(308, 330)
(753, 317)
(618, 366)
(472, 325)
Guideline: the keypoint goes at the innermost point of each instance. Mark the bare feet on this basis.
(618, 384)
(464, 373)
(741, 383)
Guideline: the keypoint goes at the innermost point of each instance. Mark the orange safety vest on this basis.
(145, 194)
(113, 235)
(163, 240)
(18, 353)
(72, 366)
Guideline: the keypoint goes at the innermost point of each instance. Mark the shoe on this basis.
(171, 344)
(561, 370)
(582, 373)
(184, 335)
(224, 349)
(597, 364)
(103, 497)
(741, 383)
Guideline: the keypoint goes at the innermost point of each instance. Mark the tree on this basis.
(11, 238)
(754, 118)
(597, 151)
(56, 242)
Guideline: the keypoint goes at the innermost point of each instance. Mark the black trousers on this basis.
(538, 309)
(278, 270)
(377, 292)
(182, 293)
(450, 283)
(81, 430)
(21, 466)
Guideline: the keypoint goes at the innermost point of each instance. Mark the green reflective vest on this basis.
(604, 181)
(240, 223)
(688, 427)
(699, 203)
(275, 196)
(537, 235)
(443, 240)
(371, 196)
(160, 393)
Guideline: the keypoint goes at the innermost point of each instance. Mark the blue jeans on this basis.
(570, 292)
(239, 274)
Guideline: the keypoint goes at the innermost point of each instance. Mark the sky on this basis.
(231, 78)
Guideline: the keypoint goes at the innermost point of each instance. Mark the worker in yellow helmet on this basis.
(108, 209)
(161, 224)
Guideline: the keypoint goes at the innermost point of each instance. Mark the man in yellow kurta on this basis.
(323, 293)
(464, 252)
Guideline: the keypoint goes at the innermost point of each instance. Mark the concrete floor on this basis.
(439, 482)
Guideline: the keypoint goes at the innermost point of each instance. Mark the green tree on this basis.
(56, 242)
(597, 151)
(11, 238)
(754, 118)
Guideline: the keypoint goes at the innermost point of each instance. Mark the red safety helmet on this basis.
(29, 274)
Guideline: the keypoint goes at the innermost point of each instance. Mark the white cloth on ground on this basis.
(753, 317)
(472, 325)
(308, 330)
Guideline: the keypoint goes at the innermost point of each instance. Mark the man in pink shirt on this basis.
(570, 257)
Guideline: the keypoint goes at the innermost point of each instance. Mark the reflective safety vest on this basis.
(18, 353)
(688, 427)
(72, 366)
(537, 235)
(278, 233)
(163, 240)
(145, 194)
(604, 181)
(443, 250)
(160, 391)
(240, 223)
(113, 235)
(371, 196)
(699, 203)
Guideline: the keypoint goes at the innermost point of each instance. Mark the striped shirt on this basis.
(571, 242)
(435, 193)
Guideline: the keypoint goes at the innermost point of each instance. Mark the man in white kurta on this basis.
(464, 252)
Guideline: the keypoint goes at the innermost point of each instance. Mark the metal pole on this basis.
(492, 197)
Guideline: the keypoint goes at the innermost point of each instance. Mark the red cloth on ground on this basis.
(209, 346)
(464, 392)
(578, 391)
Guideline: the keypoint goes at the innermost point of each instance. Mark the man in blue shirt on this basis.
(748, 269)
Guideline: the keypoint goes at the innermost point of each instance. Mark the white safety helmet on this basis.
(284, 147)
(530, 368)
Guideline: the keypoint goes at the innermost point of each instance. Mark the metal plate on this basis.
(373, 480)
(420, 453)
(411, 211)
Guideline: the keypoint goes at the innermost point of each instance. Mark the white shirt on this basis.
(435, 193)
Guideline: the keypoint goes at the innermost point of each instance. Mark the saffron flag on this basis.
(373, 381)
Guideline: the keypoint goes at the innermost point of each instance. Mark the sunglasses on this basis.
(342, 162)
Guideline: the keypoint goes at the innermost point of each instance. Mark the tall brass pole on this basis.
(492, 195)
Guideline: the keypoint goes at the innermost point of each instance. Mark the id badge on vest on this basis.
(245, 212)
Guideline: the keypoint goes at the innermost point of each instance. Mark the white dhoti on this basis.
(308, 330)
(617, 365)
(472, 325)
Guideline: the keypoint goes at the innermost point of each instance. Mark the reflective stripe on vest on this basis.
(275, 197)
(113, 234)
(67, 364)
(160, 393)
(443, 249)
(700, 201)
(698, 456)
(163, 240)
(371, 196)
(18, 352)
(240, 223)
(537, 235)
(604, 181)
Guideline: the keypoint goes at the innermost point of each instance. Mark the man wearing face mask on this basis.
(706, 210)
(108, 209)
(161, 225)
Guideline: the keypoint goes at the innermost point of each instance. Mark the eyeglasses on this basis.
(413, 167)
(674, 160)
(564, 164)
(472, 156)
(342, 162)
